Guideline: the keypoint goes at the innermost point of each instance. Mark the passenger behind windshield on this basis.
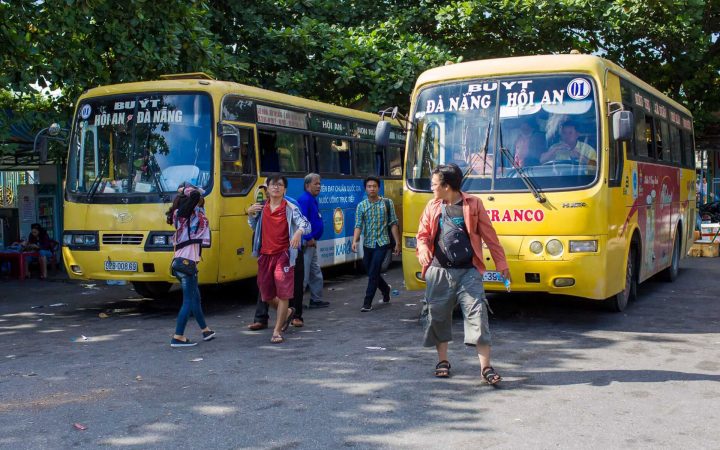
(529, 144)
(570, 148)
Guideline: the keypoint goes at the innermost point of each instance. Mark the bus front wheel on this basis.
(619, 301)
(151, 289)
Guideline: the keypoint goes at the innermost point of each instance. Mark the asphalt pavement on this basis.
(87, 365)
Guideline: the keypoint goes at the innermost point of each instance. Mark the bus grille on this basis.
(123, 239)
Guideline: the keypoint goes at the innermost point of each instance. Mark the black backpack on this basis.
(454, 241)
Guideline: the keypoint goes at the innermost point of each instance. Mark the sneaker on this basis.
(178, 343)
(318, 304)
(366, 308)
(386, 296)
(208, 335)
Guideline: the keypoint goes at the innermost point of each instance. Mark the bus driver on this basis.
(569, 148)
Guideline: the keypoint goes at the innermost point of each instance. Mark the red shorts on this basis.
(276, 278)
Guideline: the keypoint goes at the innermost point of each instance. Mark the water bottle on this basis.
(260, 196)
(506, 282)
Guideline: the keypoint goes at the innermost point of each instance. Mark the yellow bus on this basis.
(586, 172)
(133, 144)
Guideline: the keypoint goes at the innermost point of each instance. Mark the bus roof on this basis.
(534, 65)
(175, 84)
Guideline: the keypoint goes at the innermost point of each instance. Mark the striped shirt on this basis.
(371, 218)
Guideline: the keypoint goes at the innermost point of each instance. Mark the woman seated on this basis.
(40, 242)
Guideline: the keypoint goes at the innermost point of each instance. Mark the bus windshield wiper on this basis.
(96, 182)
(155, 170)
(523, 176)
(483, 152)
(504, 152)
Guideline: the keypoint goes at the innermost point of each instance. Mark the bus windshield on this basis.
(545, 125)
(140, 144)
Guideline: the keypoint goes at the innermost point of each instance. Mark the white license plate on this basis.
(121, 266)
(493, 276)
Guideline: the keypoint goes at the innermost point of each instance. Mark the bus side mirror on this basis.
(382, 133)
(623, 126)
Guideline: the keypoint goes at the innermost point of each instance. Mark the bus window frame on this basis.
(356, 154)
(256, 162)
(598, 93)
(306, 137)
(134, 198)
(315, 156)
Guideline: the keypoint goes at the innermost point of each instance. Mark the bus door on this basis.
(238, 177)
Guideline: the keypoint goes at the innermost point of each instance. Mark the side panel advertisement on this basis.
(338, 200)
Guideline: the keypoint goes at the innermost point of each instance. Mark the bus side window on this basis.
(269, 158)
(238, 172)
(687, 149)
(365, 163)
(333, 156)
(662, 146)
(394, 161)
(676, 145)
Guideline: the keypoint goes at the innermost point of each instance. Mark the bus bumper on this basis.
(583, 276)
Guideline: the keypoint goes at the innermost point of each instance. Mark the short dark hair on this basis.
(569, 123)
(449, 174)
(275, 178)
(371, 178)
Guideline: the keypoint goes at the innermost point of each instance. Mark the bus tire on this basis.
(619, 301)
(151, 289)
(671, 273)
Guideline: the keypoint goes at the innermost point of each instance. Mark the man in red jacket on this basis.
(453, 227)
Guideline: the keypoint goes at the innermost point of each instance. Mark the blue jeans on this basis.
(191, 303)
(372, 260)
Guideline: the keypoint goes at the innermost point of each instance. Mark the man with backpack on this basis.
(452, 230)
(373, 217)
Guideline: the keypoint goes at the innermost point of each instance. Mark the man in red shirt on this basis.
(279, 227)
(452, 229)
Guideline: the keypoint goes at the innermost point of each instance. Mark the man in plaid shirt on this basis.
(371, 220)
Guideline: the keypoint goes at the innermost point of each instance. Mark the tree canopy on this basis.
(359, 53)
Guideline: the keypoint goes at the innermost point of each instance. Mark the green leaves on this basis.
(359, 53)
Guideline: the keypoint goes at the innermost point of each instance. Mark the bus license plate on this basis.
(493, 276)
(121, 266)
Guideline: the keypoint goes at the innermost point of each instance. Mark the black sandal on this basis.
(490, 376)
(286, 325)
(442, 369)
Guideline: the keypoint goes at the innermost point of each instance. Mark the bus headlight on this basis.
(81, 240)
(410, 242)
(554, 247)
(159, 241)
(583, 246)
(536, 247)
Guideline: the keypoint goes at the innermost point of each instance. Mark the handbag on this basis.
(455, 241)
(184, 266)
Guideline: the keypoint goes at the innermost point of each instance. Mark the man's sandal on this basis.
(490, 376)
(442, 369)
(277, 339)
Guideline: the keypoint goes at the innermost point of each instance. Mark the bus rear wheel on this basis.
(619, 301)
(671, 273)
(151, 289)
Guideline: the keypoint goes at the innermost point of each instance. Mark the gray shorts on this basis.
(445, 288)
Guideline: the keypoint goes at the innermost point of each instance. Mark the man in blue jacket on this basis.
(310, 208)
